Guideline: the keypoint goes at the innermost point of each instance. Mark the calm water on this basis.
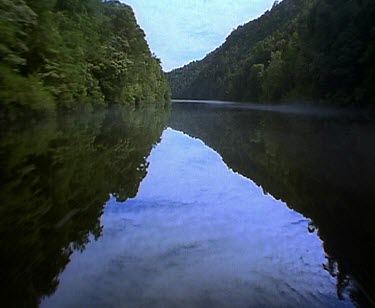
(204, 205)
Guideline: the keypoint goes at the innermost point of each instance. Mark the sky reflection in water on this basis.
(198, 235)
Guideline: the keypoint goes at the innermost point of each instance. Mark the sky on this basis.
(180, 31)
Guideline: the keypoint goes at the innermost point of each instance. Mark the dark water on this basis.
(209, 205)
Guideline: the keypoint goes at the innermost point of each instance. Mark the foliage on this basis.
(301, 49)
(74, 53)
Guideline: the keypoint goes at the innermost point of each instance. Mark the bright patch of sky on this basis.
(180, 31)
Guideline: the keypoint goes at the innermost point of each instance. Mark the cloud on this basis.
(180, 31)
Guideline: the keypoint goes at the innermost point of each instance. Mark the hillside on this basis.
(300, 49)
(72, 54)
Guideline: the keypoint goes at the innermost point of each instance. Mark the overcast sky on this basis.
(180, 31)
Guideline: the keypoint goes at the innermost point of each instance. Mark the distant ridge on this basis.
(300, 49)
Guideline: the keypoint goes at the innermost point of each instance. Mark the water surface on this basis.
(219, 206)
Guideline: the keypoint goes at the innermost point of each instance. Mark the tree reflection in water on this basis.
(322, 164)
(56, 177)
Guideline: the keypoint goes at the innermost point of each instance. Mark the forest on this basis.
(74, 54)
(305, 50)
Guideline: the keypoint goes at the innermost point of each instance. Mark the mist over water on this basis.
(299, 108)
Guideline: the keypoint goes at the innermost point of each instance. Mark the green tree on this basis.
(74, 54)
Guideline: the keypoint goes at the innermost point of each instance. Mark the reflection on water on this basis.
(321, 164)
(233, 208)
(56, 176)
(209, 238)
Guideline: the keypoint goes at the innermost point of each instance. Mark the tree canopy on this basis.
(74, 53)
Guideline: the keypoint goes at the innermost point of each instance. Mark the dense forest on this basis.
(72, 54)
(319, 50)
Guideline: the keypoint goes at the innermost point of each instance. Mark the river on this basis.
(208, 204)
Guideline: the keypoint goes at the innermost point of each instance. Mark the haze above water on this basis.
(231, 207)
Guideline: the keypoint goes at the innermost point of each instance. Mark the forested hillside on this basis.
(300, 49)
(74, 53)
